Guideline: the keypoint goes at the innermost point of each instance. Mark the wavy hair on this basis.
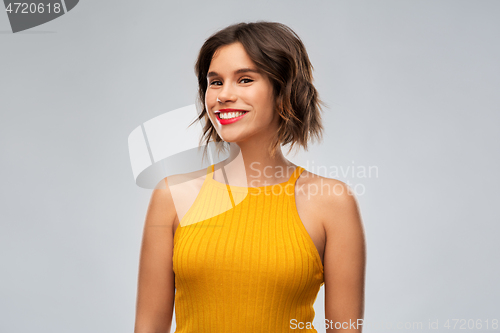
(278, 52)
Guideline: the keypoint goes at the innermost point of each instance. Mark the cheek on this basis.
(266, 101)
(263, 104)
(209, 97)
(263, 98)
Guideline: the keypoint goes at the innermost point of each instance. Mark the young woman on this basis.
(260, 235)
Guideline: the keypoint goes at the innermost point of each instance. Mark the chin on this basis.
(234, 137)
(230, 139)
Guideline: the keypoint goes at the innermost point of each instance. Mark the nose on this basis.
(226, 94)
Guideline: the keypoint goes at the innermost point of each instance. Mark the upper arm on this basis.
(156, 290)
(345, 259)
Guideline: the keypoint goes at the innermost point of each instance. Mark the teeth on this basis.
(229, 115)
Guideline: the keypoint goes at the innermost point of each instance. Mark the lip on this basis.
(229, 121)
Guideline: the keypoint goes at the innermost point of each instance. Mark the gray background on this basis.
(412, 88)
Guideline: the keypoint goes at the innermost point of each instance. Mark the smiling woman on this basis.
(233, 79)
(252, 259)
(271, 57)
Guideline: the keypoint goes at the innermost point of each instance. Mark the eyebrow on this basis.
(239, 71)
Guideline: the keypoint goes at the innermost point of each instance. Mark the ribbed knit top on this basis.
(244, 262)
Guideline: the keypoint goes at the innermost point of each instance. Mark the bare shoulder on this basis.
(186, 178)
(325, 190)
(166, 191)
(161, 209)
(333, 199)
(183, 190)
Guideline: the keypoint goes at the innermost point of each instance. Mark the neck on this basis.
(257, 157)
(250, 163)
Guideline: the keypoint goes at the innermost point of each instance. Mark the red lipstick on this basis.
(229, 120)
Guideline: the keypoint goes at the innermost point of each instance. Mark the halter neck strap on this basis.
(296, 174)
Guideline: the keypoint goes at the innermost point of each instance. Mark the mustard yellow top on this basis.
(244, 262)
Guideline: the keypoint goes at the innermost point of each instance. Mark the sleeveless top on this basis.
(244, 262)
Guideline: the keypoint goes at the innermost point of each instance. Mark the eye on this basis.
(214, 81)
(249, 80)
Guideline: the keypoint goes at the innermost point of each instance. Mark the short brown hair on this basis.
(280, 54)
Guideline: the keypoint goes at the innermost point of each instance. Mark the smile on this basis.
(230, 115)
(226, 118)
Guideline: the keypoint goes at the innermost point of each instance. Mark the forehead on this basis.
(230, 57)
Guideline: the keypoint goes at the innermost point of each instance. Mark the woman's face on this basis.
(239, 98)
